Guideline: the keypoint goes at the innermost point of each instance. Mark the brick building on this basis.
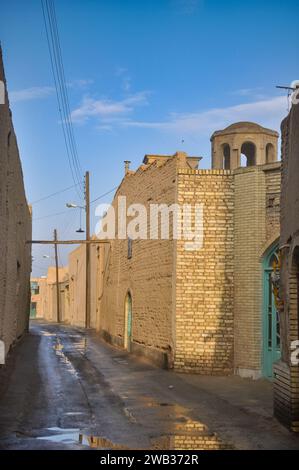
(15, 229)
(44, 295)
(211, 310)
(286, 371)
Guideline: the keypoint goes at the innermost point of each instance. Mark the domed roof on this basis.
(245, 127)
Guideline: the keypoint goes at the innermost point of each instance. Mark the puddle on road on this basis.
(74, 436)
(184, 433)
(181, 432)
(190, 435)
(47, 333)
(58, 348)
(81, 345)
(198, 438)
(64, 436)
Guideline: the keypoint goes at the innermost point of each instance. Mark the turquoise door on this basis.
(128, 321)
(33, 310)
(271, 325)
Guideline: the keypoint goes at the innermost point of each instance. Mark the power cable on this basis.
(103, 195)
(65, 212)
(55, 194)
(54, 47)
(50, 215)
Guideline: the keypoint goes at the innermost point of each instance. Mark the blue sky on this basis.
(142, 76)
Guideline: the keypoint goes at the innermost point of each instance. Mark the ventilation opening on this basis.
(226, 156)
(248, 154)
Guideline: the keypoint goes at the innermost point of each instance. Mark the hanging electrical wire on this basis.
(65, 212)
(103, 195)
(69, 224)
(50, 215)
(54, 46)
(55, 194)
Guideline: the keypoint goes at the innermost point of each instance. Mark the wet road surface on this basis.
(63, 388)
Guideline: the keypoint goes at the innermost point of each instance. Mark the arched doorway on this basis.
(128, 321)
(271, 323)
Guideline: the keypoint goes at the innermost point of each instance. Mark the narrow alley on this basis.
(64, 388)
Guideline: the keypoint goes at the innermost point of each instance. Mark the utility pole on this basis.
(87, 275)
(57, 276)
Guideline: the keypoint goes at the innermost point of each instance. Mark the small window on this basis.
(130, 243)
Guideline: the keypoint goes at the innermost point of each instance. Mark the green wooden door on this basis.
(33, 310)
(271, 325)
(128, 321)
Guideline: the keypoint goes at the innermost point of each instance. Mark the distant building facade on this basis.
(15, 230)
(44, 295)
(286, 371)
(36, 310)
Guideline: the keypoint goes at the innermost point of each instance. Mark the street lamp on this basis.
(70, 205)
(87, 228)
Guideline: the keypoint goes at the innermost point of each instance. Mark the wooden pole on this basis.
(87, 274)
(66, 242)
(57, 277)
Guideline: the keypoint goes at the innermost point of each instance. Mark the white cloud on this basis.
(251, 93)
(123, 74)
(33, 93)
(80, 83)
(119, 71)
(41, 92)
(187, 7)
(268, 113)
(126, 84)
(106, 108)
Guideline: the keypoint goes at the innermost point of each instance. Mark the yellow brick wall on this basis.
(250, 236)
(273, 190)
(148, 274)
(15, 230)
(204, 278)
(256, 224)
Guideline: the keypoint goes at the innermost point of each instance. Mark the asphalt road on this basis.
(63, 388)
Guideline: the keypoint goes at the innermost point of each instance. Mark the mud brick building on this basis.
(209, 311)
(15, 229)
(286, 371)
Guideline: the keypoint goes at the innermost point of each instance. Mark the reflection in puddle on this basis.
(81, 345)
(183, 432)
(64, 436)
(191, 435)
(198, 438)
(73, 436)
(58, 348)
(96, 442)
(46, 333)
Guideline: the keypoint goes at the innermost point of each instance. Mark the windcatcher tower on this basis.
(243, 144)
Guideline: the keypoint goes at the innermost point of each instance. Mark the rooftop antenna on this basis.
(290, 90)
